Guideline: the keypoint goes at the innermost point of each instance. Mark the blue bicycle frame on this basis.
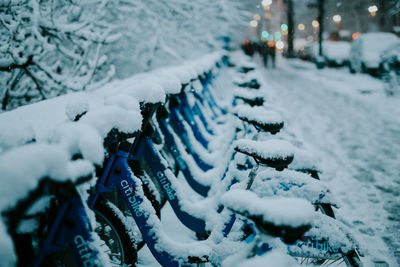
(172, 147)
(70, 228)
(176, 121)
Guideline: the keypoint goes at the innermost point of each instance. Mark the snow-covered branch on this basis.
(55, 44)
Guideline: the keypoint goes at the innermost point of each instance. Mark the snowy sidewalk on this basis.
(354, 129)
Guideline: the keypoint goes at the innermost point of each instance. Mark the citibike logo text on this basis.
(320, 245)
(166, 185)
(129, 191)
(84, 252)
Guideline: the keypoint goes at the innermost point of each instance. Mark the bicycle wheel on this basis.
(112, 230)
(350, 259)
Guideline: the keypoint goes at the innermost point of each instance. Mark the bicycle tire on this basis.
(350, 259)
(111, 225)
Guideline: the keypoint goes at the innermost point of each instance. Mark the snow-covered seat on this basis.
(249, 97)
(288, 218)
(246, 69)
(252, 84)
(277, 154)
(262, 119)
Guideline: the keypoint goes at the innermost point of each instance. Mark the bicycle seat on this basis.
(195, 259)
(246, 69)
(263, 120)
(249, 98)
(287, 218)
(277, 154)
(253, 84)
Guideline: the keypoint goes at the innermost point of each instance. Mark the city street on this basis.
(355, 131)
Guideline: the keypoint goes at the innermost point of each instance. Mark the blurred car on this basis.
(298, 45)
(336, 53)
(389, 69)
(305, 52)
(366, 50)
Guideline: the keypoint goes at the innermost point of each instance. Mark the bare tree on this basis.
(165, 32)
(50, 47)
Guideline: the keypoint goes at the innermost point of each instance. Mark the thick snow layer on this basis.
(107, 118)
(37, 121)
(292, 212)
(76, 107)
(273, 149)
(22, 167)
(338, 51)
(293, 184)
(122, 100)
(168, 81)
(144, 90)
(183, 73)
(258, 114)
(80, 138)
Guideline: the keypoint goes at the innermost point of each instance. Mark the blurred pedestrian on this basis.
(272, 52)
(264, 50)
(246, 47)
(249, 47)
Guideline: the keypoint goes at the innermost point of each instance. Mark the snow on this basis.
(245, 93)
(22, 168)
(38, 160)
(169, 82)
(122, 100)
(369, 47)
(164, 242)
(329, 111)
(107, 118)
(337, 51)
(144, 90)
(75, 108)
(270, 149)
(80, 138)
(259, 115)
(352, 129)
(293, 184)
(37, 121)
(287, 211)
